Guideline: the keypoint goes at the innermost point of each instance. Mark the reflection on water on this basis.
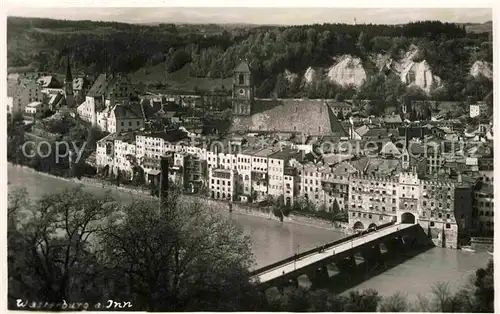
(272, 241)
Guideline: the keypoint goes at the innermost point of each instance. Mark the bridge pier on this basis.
(281, 289)
(372, 256)
(395, 245)
(285, 282)
(347, 264)
(318, 276)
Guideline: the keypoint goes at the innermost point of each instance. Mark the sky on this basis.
(255, 15)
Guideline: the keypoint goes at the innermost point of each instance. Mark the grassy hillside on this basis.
(178, 80)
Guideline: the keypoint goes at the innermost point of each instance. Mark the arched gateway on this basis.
(407, 218)
(358, 226)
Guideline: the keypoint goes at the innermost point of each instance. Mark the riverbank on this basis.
(273, 241)
(238, 208)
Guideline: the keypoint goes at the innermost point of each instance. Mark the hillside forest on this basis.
(279, 56)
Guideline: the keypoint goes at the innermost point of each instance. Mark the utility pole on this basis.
(160, 192)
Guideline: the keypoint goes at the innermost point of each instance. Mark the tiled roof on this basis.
(365, 131)
(332, 159)
(338, 104)
(125, 137)
(80, 83)
(312, 117)
(34, 104)
(362, 130)
(390, 149)
(284, 154)
(360, 164)
(102, 85)
(55, 99)
(392, 118)
(383, 166)
(48, 81)
(99, 87)
(127, 112)
(344, 169)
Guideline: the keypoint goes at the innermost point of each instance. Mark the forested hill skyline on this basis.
(260, 15)
(486, 26)
(282, 58)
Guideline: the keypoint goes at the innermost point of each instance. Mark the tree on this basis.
(360, 44)
(54, 244)
(485, 289)
(395, 303)
(335, 207)
(324, 301)
(365, 301)
(180, 256)
(17, 117)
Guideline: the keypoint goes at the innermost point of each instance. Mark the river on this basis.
(272, 241)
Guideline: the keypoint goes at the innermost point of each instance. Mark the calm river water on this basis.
(273, 241)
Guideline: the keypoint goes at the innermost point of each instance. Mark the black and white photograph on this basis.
(249, 159)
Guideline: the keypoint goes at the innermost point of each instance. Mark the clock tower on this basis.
(242, 90)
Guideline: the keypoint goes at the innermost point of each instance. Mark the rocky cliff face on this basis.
(348, 70)
(482, 67)
(310, 75)
(416, 72)
(411, 70)
(290, 76)
(420, 74)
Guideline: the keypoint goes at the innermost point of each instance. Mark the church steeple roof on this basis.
(243, 67)
(68, 78)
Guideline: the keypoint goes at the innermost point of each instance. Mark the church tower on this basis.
(68, 86)
(405, 156)
(242, 90)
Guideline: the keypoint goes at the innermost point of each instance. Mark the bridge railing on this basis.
(312, 251)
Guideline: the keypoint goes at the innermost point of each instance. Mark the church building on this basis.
(311, 117)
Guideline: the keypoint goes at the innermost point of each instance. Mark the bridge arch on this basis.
(407, 218)
(372, 225)
(358, 225)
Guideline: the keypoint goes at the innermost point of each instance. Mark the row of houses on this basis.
(372, 190)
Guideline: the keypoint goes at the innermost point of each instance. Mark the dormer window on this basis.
(241, 79)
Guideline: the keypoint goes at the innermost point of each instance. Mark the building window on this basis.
(448, 226)
(432, 223)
